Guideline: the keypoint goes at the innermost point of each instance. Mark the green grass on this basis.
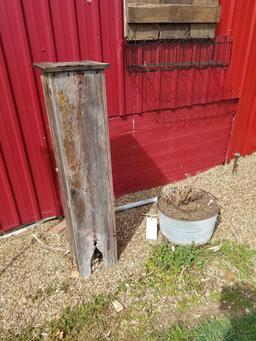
(222, 329)
(167, 263)
(227, 329)
(170, 272)
(75, 323)
(173, 270)
(174, 261)
(237, 298)
(78, 321)
(175, 333)
(239, 256)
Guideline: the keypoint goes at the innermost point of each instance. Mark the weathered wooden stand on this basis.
(76, 103)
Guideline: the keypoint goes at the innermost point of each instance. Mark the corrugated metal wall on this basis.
(163, 125)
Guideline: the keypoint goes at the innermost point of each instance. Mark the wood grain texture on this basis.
(58, 158)
(175, 31)
(169, 13)
(82, 65)
(140, 31)
(203, 30)
(143, 31)
(176, 2)
(76, 103)
(155, 31)
(148, 31)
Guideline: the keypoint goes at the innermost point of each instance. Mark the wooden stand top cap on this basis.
(82, 65)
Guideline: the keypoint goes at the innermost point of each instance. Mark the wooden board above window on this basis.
(170, 19)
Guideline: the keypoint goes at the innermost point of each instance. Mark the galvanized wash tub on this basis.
(186, 232)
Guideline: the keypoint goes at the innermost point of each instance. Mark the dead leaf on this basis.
(108, 334)
(215, 248)
(74, 274)
(230, 276)
(118, 306)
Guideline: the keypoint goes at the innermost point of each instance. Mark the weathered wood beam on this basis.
(203, 30)
(175, 31)
(169, 13)
(76, 103)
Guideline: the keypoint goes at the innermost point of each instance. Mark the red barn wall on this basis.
(163, 125)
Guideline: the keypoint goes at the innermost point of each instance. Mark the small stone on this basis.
(24, 300)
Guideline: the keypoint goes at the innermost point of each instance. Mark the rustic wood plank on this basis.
(155, 31)
(139, 31)
(58, 159)
(166, 13)
(203, 30)
(176, 2)
(143, 31)
(174, 31)
(206, 2)
(76, 103)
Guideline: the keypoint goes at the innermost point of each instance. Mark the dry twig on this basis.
(49, 247)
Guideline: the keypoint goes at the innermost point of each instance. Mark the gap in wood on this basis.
(97, 258)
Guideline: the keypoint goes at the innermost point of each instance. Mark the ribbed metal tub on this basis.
(187, 232)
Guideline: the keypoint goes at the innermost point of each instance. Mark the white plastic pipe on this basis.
(135, 204)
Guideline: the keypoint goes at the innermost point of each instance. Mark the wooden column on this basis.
(75, 98)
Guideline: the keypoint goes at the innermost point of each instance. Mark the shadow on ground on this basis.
(239, 302)
(140, 171)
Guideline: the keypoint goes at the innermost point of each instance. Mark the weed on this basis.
(65, 286)
(175, 333)
(239, 256)
(237, 298)
(77, 321)
(36, 295)
(49, 290)
(173, 270)
(136, 320)
(174, 261)
(122, 287)
(187, 302)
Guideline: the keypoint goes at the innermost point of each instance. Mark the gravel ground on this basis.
(38, 278)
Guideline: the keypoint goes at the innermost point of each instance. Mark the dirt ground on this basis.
(38, 277)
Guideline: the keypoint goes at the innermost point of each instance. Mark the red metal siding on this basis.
(163, 124)
(243, 77)
(156, 148)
